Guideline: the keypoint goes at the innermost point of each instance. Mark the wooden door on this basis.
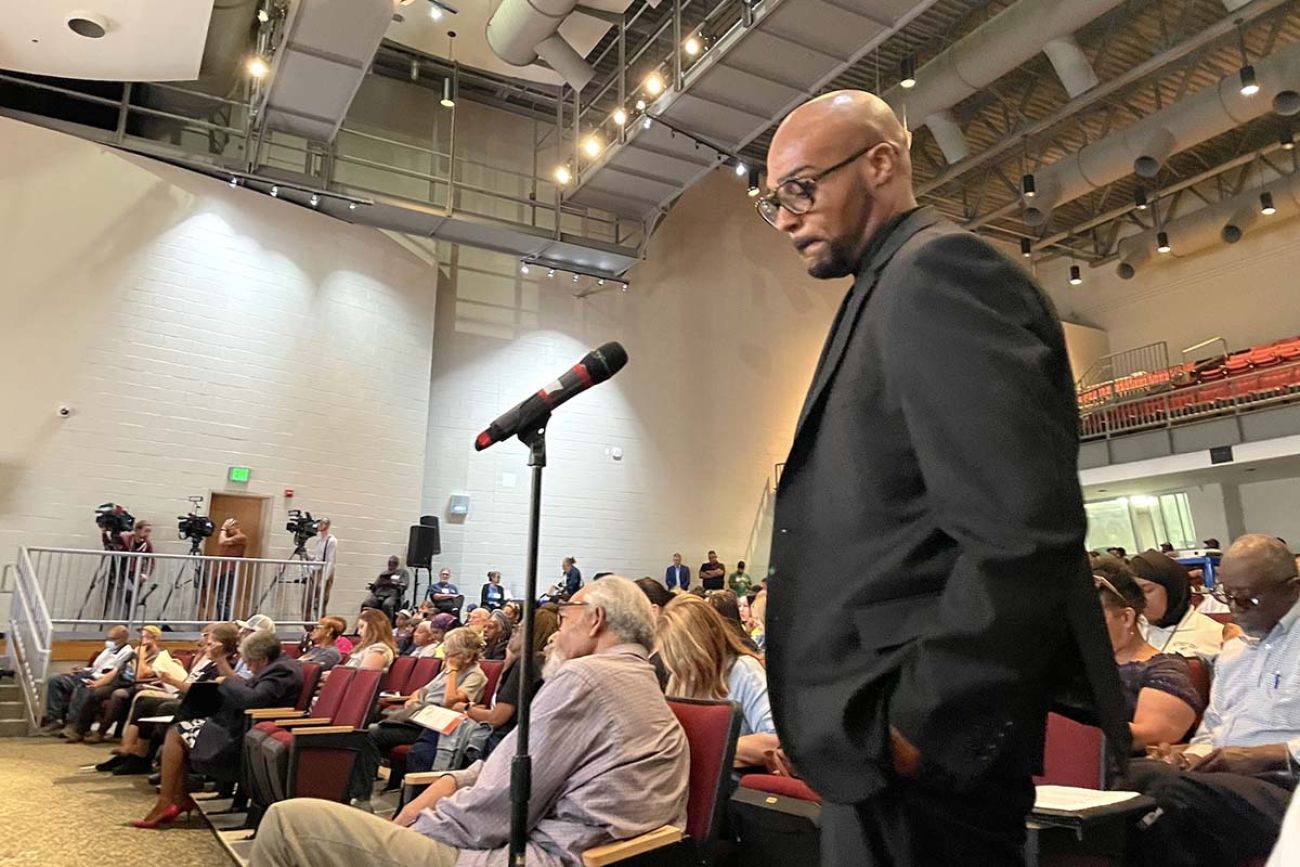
(250, 512)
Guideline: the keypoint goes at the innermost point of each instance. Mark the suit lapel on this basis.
(850, 310)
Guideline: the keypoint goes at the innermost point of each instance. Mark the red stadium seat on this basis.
(397, 755)
(398, 675)
(492, 670)
(1073, 755)
(1201, 680)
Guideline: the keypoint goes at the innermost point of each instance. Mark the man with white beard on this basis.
(610, 762)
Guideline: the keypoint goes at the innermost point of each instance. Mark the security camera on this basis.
(65, 410)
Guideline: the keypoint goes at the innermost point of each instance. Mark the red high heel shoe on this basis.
(167, 816)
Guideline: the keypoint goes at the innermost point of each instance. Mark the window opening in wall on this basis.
(1140, 522)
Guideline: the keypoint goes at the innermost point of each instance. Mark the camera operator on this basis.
(231, 542)
(324, 549)
(388, 590)
(123, 582)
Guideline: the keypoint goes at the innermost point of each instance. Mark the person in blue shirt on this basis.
(494, 595)
(677, 575)
(572, 577)
(445, 595)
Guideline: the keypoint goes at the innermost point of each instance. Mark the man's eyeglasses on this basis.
(798, 195)
(563, 606)
(1234, 600)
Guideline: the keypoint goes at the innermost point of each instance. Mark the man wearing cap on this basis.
(324, 650)
(256, 623)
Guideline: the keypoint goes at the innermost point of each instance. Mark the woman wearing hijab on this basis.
(1172, 624)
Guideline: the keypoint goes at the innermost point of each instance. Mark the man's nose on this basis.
(787, 222)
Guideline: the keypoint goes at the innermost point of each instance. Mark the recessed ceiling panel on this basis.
(127, 40)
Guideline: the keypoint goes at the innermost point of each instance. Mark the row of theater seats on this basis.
(1194, 388)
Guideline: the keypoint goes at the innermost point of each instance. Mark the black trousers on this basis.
(1205, 818)
(920, 824)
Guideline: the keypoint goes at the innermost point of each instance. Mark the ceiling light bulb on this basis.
(692, 46)
(907, 72)
(275, 191)
(1029, 186)
(640, 105)
(1162, 242)
(575, 278)
(234, 181)
(1249, 85)
(315, 200)
(600, 282)
(563, 175)
(1076, 276)
(263, 16)
(1266, 206)
(624, 287)
(754, 189)
(257, 66)
(620, 116)
(352, 206)
(447, 100)
(434, 12)
(645, 124)
(741, 169)
(1140, 199)
(550, 273)
(523, 267)
(1026, 248)
(1286, 138)
(593, 146)
(654, 84)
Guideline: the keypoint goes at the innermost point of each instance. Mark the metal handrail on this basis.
(136, 555)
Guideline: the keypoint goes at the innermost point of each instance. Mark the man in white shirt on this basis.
(324, 549)
(65, 692)
(1222, 799)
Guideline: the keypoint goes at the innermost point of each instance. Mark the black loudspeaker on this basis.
(423, 544)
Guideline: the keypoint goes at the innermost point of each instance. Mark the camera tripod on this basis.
(107, 565)
(304, 576)
(196, 579)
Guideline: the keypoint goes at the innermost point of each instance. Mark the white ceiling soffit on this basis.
(327, 49)
(749, 80)
(418, 30)
(142, 40)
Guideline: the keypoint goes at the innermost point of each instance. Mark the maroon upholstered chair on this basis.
(492, 670)
(310, 680)
(712, 728)
(786, 787)
(398, 675)
(397, 755)
(1073, 755)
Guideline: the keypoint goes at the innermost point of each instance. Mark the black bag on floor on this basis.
(775, 830)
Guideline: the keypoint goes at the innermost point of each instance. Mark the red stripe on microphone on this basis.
(546, 398)
(581, 370)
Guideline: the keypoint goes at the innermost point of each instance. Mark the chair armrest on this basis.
(304, 721)
(612, 853)
(423, 778)
(323, 730)
(269, 712)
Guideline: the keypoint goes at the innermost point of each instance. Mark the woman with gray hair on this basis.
(213, 744)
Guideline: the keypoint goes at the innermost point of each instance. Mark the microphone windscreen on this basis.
(606, 360)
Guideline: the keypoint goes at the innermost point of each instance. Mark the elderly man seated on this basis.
(1222, 799)
(609, 763)
(67, 693)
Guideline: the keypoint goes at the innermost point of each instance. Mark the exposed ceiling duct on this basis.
(1146, 145)
(983, 56)
(326, 50)
(521, 31)
(1223, 222)
(230, 36)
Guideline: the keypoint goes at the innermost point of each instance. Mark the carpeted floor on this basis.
(56, 811)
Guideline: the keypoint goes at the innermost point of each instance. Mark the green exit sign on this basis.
(239, 474)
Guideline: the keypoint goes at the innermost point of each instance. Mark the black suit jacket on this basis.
(929, 528)
(218, 748)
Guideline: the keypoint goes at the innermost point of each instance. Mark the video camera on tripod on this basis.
(114, 519)
(194, 526)
(303, 526)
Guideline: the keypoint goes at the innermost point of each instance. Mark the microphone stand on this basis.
(521, 768)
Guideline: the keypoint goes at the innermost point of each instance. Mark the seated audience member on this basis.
(256, 623)
(1221, 799)
(496, 635)
(1161, 700)
(388, 590)
(1172, 624)
(659, 597)
(324, 650)
(65, 693)
(421, 641)
(493, 597)
(609, 763)
(375, 648)
(706, 659)
(214, 744)
(725, 603)
(757, 619)
(445, 595)
(500, 714)
(477, 618)
(133, 756)
(138, 676)
(513, 611)
(441, 624)
(403, 629)
(343, 643)
(460, 679)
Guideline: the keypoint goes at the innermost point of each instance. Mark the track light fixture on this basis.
(754, 188)
(523, 268)
(741, 169)
(645, 124)
(315, 200)
(1286, 138)
(654, 84)
(434, 12)
(575, 278)
(263, 16)
(1162, 242)
(352, 206)
(257, 66)
(692, 46)
(593, 146)
(619, 116)
(1249, 85)
(1026, 248)
(234, 181)
(551, 273)
(526, 266)
(275, 191)
(1140, 199)
(448, 97)
(1028, 186)
(907, 72)
(563, 175)
(1076, 275)
(1266, 206)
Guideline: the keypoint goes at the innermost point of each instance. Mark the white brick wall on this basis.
(194, 327)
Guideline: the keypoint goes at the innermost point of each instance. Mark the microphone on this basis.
(595, 367)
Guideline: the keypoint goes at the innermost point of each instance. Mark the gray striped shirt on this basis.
(610, 761)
